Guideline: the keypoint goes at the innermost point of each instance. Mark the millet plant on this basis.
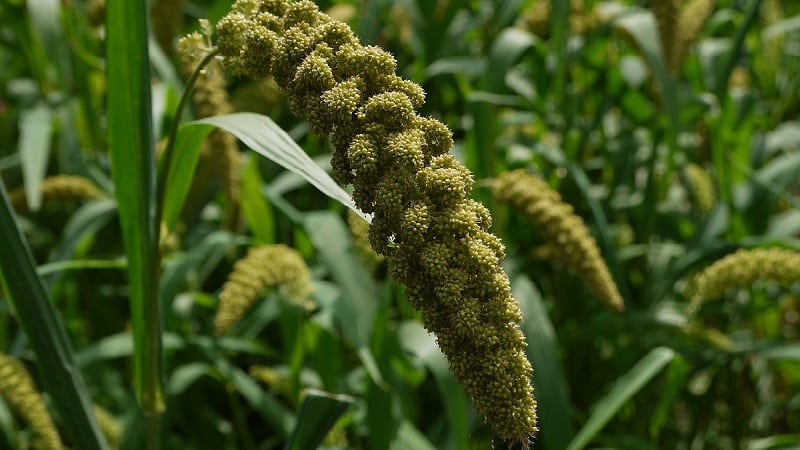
(341, 224)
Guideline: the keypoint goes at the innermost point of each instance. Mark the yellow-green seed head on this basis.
(220, 150)
(18, 390)
(537, 17)
(691, 20)
(167, 21)
(57, 189)
(567, 240)
(262, 267)
(109, 425)
(741, 269)
(277, 381)
(397, 161)
(667, 13)
(702, 187)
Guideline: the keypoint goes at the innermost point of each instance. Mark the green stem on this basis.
(152, 402)
(163, 168)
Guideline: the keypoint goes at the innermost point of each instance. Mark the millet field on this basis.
(405, 225)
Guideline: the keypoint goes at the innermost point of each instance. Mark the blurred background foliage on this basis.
(675, 139)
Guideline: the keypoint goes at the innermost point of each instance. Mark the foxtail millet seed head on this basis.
(56, 189)
(743, 268)
(701, 186)
(691, 19)
(220, 150)
(567, 240)
(18, 390)
(397, 161)
(265, 266)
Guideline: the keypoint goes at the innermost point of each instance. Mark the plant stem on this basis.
(163, 168)
(152, 401)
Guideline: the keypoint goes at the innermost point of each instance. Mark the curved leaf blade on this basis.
(265, 137)
(625, 387)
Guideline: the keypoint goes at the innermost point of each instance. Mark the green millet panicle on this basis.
(109, 425)
(702, 187)
(219, 152)
(743, 268)
(398, 162)
(667, 13)
(567, 238)
(692, 18)
(58, 188)
(262, 267)
(18, 390)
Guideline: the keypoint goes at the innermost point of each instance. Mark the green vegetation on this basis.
(185, 261)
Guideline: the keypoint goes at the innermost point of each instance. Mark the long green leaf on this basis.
(133, 169)
(357, 308)
(46, 333)
(183, 164)
(548, 377)
(317, 415)
(265, 137)
(255, 208)
(410, 438)
(422, 344)
(624, 388)
(641, 26)
(36, 128)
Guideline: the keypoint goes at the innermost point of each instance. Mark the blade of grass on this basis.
(751, 16)
(87, 220)
(624, 388)
(255, 208)
(36, 128)
(8, 432)
(559, 26)
(265, 137)
(410, 438)
(641, 26)
(133, 169)
(419, 342)
(187, 153)
(357, 308)
(317, 415)
(548, 377)
(46, 334)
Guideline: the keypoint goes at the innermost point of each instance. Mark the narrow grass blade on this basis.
(675, 380)
(641, 26)
(422, 344)
(265, 137)
(357, 308)
(410, 438)
(186, 154)
(751, 16)
(36, 128)
(548, 377)
(625, 387)
(786, 352)
(46, 334)
(133, 171)
(45, 17)
(272, 411)
(505, 51)
(256, 210)
(317, 415)
(559, 24)
(87, 220)
(8, 432)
